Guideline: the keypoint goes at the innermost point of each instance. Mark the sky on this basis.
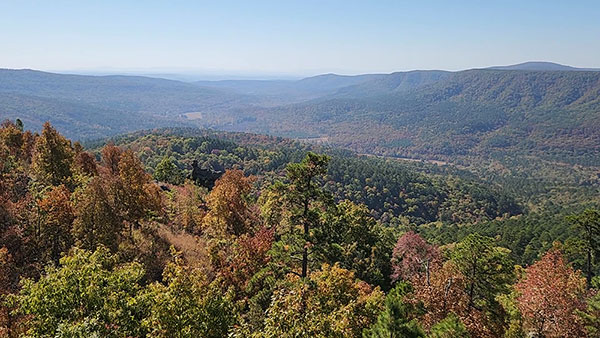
(294, 38)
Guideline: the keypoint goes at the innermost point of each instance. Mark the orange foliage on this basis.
(249, 255)
(550, 294)
(229, 211)
(442, 293)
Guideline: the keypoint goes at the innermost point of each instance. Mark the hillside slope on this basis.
(394, 191)
(97, 106)
(422, 114)
(467, 113)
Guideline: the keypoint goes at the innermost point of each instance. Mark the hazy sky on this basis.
(295, 37)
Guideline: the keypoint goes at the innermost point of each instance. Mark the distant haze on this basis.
(268, 39)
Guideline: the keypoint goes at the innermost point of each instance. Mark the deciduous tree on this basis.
(413, 258)
(56, 223)
(550, 294)
(167, 171)
(53, 157)
(229, 211)
(88, 295)
(329, 303)
(97, 222)
(186, 305)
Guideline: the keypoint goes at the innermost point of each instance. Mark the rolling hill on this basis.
(97, 106)
(542, 66)
(465, 113)
(394, 191)
(540, 109)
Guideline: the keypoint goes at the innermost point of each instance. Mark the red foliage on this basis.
(412, 257)
(249, 255)
(550, 294)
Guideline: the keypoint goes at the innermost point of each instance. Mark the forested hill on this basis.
(93, 244)
(87, 107)
(547, 113)
(396, 192)
(542, 66)
(325, 85)
(467, 113)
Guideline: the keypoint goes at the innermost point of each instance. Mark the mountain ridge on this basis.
(424, 114)
(541, 66)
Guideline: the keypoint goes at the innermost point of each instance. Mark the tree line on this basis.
(92, 246)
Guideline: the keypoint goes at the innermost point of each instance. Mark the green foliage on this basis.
(588, 222)
(350, 236)
(251, 249)
(398, 318)
(473, 112)
(304, 200)
(397, 192)
(514, 317)
(186, 305)
(487, 268)
(450, 327)
(90, 293)
(591, 315)
(527, 236)
(330, 303)
(167, 171)
(53, 157)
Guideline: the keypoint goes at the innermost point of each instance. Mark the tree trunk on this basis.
(588, 276)
(305, 250)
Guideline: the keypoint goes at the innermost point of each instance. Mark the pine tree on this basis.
(398, 319)
(167, 171)
(450, 327)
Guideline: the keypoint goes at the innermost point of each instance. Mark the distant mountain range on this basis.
(535, 107)
(542, 66)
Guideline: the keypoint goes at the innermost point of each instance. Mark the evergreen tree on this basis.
(487, 269)
(304, 191)
(450, 327)
(589, 223)
(167, 171)
(398, 318)
(591, 315)
(299, 205)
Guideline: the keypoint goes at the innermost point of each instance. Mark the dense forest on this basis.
(187, 233)
(471, 113)
(390, 189)
(546, 114)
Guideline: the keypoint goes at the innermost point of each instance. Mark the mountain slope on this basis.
(541, 66)
(98, 106)
(465, 113)
(132, 93)
(330, 85)
(288, 91)
(391, 189)
(425, 114)
(392, 83)
(77, 120)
